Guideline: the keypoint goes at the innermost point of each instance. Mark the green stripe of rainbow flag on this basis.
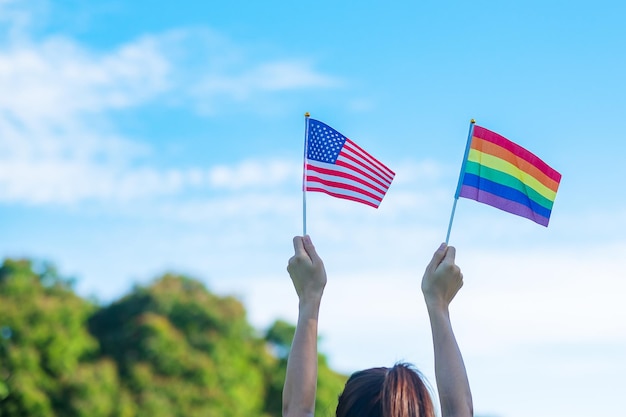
(502, 174)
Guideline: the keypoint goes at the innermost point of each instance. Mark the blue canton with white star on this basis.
(324, 142)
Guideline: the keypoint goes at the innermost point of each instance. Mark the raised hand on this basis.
(306, 270)
(442, 278)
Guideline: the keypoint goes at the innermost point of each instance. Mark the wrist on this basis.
(310, 304)
(435, 305)
(311, 296)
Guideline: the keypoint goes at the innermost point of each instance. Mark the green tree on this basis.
(183, 351)
(46, 351)
(171, 348)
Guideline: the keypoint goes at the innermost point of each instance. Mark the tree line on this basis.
(170, 348)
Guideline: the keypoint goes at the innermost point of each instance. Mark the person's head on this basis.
(386, 392)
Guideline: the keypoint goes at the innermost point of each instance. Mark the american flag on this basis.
(337, 166)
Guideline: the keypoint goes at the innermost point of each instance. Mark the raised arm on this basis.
(442, 280)
(307, 272)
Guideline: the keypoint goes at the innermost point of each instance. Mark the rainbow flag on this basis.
(502, 174)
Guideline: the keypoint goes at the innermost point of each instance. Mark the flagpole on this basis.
(458, 186)
(304, 169)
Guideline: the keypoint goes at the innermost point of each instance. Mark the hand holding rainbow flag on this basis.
(500, 173)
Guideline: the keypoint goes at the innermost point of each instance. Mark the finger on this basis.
(310, 249)
(450, 254)
(438, 256)
(298, 245)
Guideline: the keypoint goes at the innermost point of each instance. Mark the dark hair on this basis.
(386, 392)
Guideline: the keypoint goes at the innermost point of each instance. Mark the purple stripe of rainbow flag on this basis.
(504, 175)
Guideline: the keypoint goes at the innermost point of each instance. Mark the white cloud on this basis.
(532, 296)
(509, 301)
(50, 84)
(267, 77)
(243, 208)
(255, 173)
(59, 143)
(75, 181)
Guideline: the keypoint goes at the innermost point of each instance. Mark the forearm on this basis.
(301, 377)
(452, 383)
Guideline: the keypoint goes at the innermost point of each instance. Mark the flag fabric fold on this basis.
(504, 175)
(337, 166)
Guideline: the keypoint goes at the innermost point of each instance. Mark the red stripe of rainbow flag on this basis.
(504, 175)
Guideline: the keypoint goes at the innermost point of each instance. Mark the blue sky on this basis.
(137, 139)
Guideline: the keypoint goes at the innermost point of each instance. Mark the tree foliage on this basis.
(171, 348)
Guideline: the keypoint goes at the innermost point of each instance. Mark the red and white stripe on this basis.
(356, 176)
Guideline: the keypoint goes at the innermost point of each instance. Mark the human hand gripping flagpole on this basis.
(458, 187)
